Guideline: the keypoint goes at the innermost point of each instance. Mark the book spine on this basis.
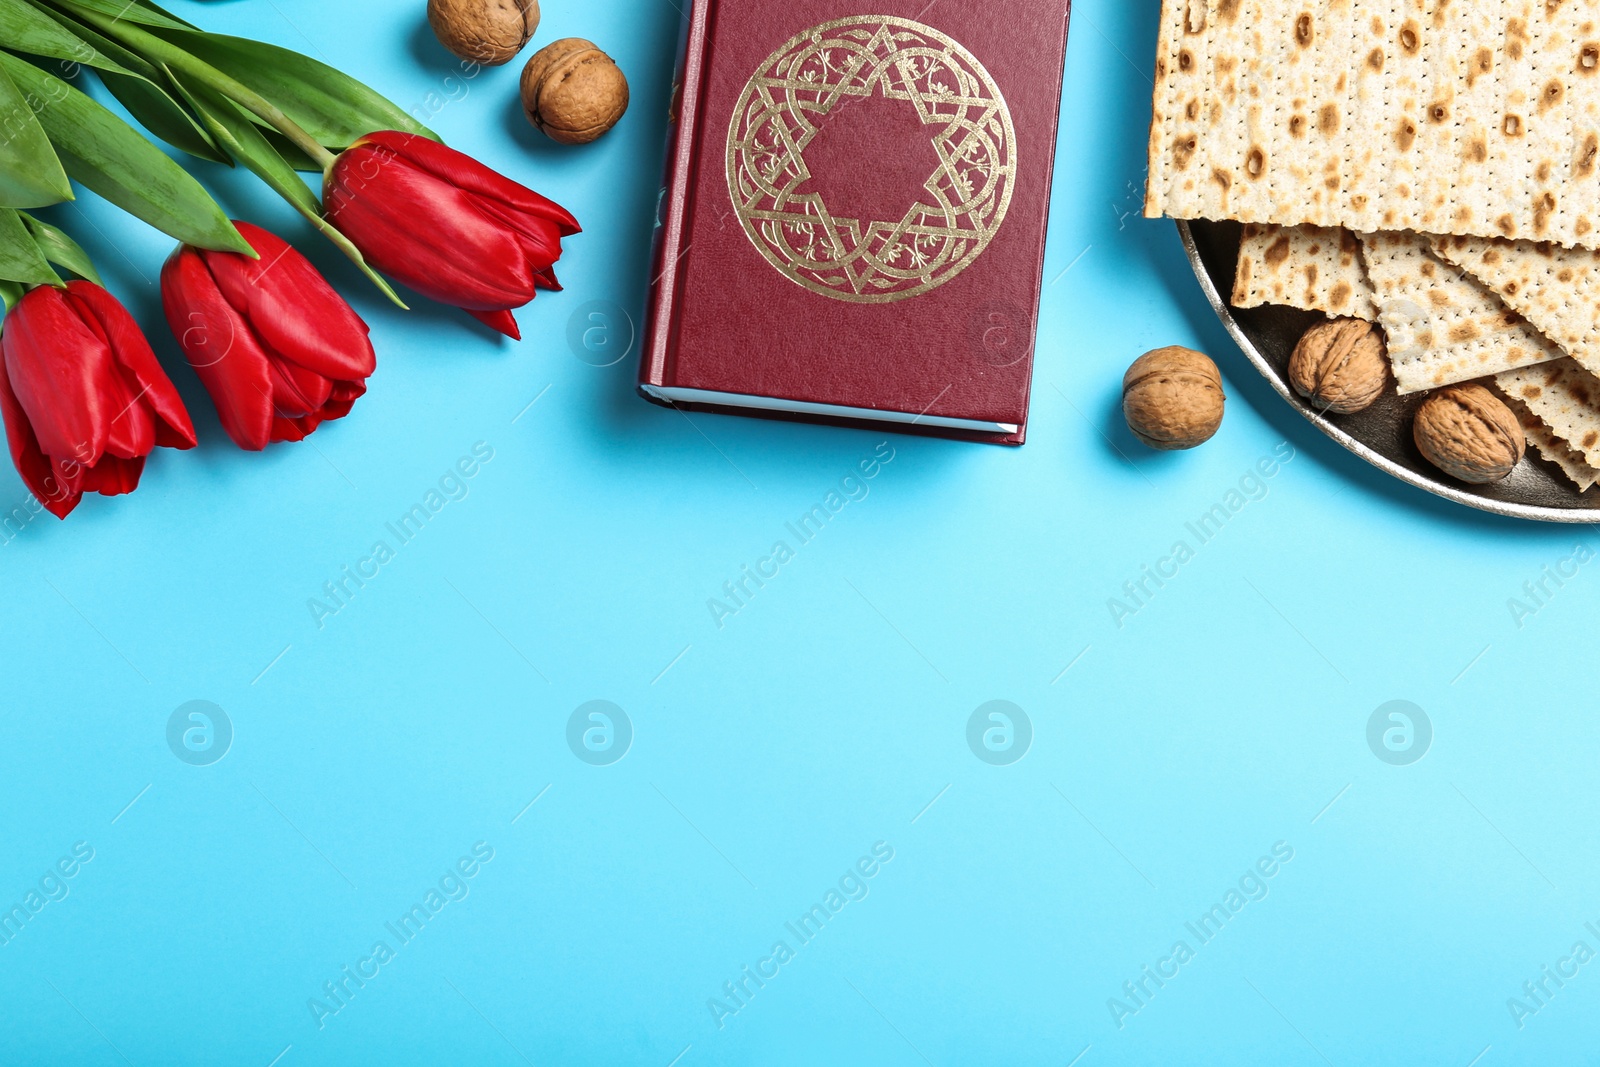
(1044, 228)
(673, 208)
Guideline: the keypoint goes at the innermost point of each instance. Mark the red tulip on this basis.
(446, 225)
(83, 397)
(278, 350)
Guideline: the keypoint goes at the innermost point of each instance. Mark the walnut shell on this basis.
(491, 32)
(573, 91)
(1173, 398)
(1469, 433)
(1340, 366)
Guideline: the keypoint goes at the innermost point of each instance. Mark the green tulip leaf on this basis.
(142, 13)
(61, 250)
(25, 28)
(20, 257)
(115, 160)
(139, 86)
(163, 116)
(333, 107)
(130, 61)
(156, 9)
(235, 129)
(10, 293)
(292, 153)
(31, 175)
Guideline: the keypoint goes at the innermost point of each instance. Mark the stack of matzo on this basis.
(1432, 165)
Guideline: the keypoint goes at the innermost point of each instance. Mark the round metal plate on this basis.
(1381, 435)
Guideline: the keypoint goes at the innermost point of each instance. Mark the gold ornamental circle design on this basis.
(957, 211)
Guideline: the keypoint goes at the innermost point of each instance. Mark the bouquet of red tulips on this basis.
(84, 398)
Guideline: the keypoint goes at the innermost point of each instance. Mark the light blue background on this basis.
(1168, 754)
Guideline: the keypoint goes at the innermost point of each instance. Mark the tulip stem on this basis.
(165, 52)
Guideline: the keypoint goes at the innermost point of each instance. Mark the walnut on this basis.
(1173, 398)
(1340, 366)
(1469, 433)
(573, 91)
(491, 32)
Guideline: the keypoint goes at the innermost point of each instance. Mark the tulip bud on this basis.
(277, 348)
(446, 225)
(84, 399)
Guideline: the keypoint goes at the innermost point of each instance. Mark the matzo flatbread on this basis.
(1553, 448)
(1442, 326)
(1471, 117)
(1303, 267)
(1565, 397)
(1556, 289)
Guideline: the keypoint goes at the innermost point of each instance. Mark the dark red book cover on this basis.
(853, 225)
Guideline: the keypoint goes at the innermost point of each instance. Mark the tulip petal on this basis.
(114, 476)
(221, 349)
(540, 245)
(294, 429)
(427, 233)
(292, 309)
(464, 172)
(541, 241)
(131, 350)
(69, 475)
(38, 474)
(56, 364)
(345, 394)
(132, 431)
(336, 409)
(499, 321)
(296, 391)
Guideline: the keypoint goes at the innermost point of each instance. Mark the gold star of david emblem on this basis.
(871, 159)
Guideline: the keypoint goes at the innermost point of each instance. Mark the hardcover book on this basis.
(853, 224)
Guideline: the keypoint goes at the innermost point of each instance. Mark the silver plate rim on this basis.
(1510, 509)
